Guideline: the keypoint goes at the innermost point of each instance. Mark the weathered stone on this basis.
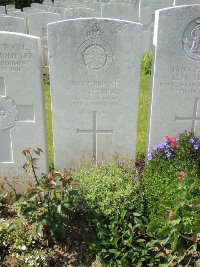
(22, 113)
(12, 24)
(175, 103)
(95, 72)
(120, 11)
(79, 12)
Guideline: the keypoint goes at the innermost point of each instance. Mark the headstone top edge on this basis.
(14, 18)
(20, 34)
(53, 24)
(176, 8)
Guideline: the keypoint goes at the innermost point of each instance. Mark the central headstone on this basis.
(95, 71)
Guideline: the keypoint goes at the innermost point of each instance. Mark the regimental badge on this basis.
(95, 55)
(79, 15)
(8, 113)
(191, 40)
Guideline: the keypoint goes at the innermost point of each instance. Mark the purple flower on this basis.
(121, 163)
(88, 172)
(155, 147)
(93, 164)
(168, 154)
(196, 147)
(149, 157)
(192, 140)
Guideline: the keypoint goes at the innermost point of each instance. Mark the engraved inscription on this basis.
(14, 57)
(95, 55)
(95, 93)
(183, 80)
(95, 132)
(194, 118)
(191, 40)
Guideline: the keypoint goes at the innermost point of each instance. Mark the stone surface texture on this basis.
(175, 103)
(95, 72)
(22, 113)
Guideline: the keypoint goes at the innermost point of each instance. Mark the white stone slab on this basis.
(60, 11)
(119, 1)
(175, 104)
(10, 7)
(79, 12)
(26, 9)
(20, 14)
(120, 11)
(148, 8)
(22, 114)
(186, 2)
(95, 72)
(2, 10)
(12, 24)
(36, 5)
(37, 24)
(47, 3)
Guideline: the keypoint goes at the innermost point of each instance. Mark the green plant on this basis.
(18, 241)
(48, 203)
(171, 185)
(146, 64)
(111, 198)
(107, 186)
(165, 164)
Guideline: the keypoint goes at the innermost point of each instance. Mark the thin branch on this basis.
(12, 187)
(33, 168)
(187, 238)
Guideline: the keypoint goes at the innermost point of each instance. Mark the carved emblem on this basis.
(8, 113)
(95, 55)
(191, 40)
(8, 26)
(79, 15)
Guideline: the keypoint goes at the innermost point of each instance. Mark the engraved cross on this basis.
(194, 117)
(10, 113)
(95, 132)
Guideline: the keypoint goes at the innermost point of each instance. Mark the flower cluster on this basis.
(195, 141)
(167, 145)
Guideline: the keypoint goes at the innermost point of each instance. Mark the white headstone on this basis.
(120, 11)
(79, 12)
(186, 2)
(10, 7)
(175, 104)
(2, 10)
(95, 73)
(36, 5)
(60, 11)
(119, 1)
(148, 8)
(19, 14)
(28, 8)
(12, 24)
(22, 113)
(37, 23)
(47, 3)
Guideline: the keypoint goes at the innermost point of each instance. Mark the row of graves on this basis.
(95, 80)
(33, 20)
